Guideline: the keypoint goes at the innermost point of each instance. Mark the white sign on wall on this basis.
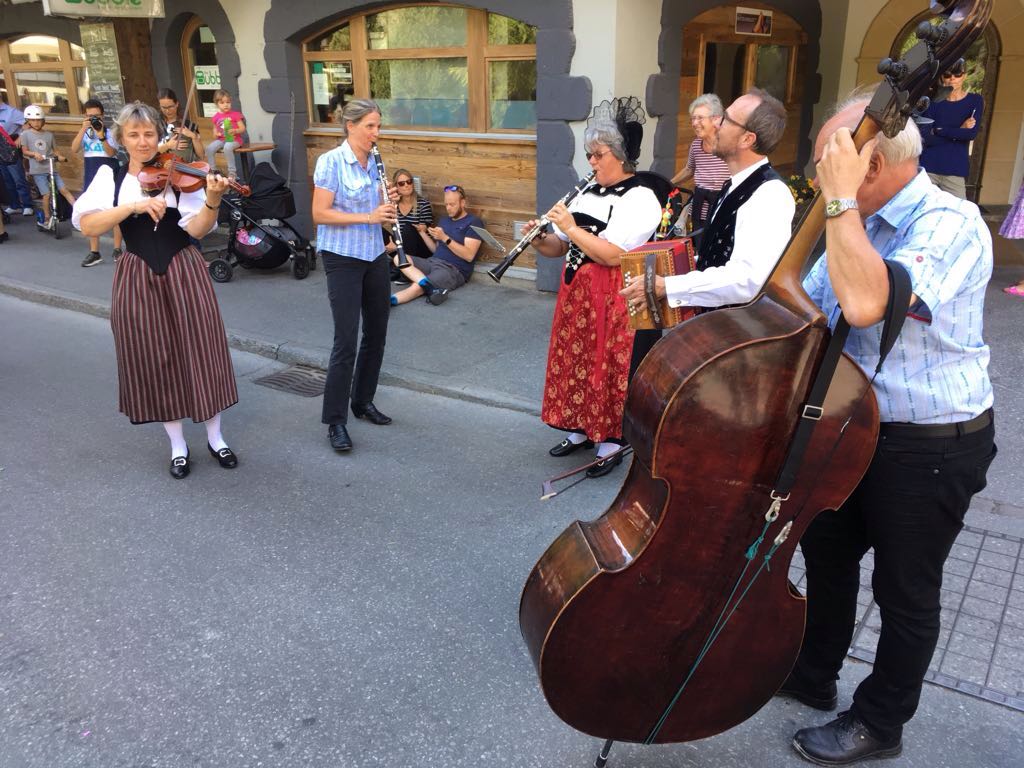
(144, 9)
(207, 77)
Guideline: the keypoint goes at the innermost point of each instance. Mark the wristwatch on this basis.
(835, 207)
(448, 241)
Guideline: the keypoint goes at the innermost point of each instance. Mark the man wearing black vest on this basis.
(752, 223)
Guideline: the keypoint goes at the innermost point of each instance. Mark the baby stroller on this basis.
(258, 234)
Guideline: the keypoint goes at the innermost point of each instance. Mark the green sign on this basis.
(144, 9)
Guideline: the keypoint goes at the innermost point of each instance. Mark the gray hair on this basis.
(136, 112)
(607, 133)
(354, 111)
(905, 145)
(709, 100)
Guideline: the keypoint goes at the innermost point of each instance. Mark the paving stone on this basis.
(1010, 681)
(991, 575)
(968, 645)
(996, 560)
(965, 668)
(1009, 656)
(959, 567)
(982, 608)
(976, 627)
(1011, 636)
(951, 600)
(954, 583)
(1016, 598)
(970, 538)
(960, 552)
(989, 592)
(1013, 617)
(1002, 546)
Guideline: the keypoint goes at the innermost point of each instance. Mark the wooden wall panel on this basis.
(499, 176)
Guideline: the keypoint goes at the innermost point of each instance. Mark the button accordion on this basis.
(664, 258)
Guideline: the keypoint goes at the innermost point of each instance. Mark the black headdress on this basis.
(629, 118)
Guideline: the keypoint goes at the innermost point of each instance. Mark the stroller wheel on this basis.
(300, 267)
(220, 271)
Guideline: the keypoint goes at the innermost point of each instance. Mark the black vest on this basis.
(156, 246)
(720, 234)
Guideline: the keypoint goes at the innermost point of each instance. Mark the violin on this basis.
(183, 177)
(670, 617)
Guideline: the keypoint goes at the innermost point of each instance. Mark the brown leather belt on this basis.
(960, 428)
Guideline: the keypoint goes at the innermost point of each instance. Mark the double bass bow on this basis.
(670, 616)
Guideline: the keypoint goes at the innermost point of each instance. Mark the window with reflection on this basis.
(44, 70)
(771, 71)
(420, 64)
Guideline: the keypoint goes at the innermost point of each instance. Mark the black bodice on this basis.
(155, 247)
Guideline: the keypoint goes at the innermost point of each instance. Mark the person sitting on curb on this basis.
(454, 246)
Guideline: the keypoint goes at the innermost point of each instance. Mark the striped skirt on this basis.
(172, 353)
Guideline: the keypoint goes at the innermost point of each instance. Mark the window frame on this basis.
(67, 65)
(477, 53)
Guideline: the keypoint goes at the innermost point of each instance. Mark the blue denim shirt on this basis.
(11, 119)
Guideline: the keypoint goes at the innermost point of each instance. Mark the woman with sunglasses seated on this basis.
(591, 341)
(414, 217)
(454, 248)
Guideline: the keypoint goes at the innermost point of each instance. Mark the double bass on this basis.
(670, 617)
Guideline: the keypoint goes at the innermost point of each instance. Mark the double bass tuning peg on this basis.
(931, 33)
(892, 68)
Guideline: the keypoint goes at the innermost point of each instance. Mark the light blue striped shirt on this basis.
(937, 373)
(356, 190)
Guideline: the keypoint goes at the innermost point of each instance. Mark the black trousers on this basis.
(909, 509)
(355, 288)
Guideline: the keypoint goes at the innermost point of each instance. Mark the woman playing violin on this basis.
(172, 352)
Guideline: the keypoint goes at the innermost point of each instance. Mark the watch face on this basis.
(833, 208)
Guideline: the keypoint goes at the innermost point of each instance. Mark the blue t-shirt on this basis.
(458, 231)
(945, 142)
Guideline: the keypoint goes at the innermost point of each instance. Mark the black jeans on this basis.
(909, 509)
(355, 287)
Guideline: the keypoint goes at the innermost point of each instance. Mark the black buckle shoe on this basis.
(180, 467)
(605, 466)
(225, 457)
(338, 435)
(371, 414)
(567, 446)
(825, 698)
(844, 740)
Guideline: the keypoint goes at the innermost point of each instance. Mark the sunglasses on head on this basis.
(455, 188)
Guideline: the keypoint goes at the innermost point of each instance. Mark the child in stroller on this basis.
(259, 234)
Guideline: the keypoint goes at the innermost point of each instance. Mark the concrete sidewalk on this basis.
(487, 343)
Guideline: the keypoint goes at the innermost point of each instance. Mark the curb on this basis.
(287, 352)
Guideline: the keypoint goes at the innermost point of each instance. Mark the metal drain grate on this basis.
(297, 380)
(981, 646)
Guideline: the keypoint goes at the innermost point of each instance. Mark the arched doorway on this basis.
(982, 74)
(720, 57)
(199, 66)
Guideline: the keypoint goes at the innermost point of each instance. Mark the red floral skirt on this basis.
(589, 355)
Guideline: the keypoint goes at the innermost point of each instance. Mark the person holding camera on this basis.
(95, 143)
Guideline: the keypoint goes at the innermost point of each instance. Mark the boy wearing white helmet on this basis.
(37, 145)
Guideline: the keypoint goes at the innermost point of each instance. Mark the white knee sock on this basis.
(177, 436)
(576, 438)
(213, 435)
(603, 449)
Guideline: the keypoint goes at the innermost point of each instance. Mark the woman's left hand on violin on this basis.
(216, 186)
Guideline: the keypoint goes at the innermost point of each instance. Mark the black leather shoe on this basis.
(225, 457)
(438, 296)
(602, 468)
(845, 740)
(180, 467)
(825, 698)
(338, 435)
(567, 446)
(371, 414)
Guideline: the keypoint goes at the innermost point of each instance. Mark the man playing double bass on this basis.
(935, 441)
(751, 224)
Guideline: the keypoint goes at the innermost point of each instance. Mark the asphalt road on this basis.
(305, 609)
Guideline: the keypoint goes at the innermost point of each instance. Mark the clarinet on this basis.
(385, 192)
(536, 229)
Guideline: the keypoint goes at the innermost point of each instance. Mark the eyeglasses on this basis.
(169, 107)
(455, 188)
(699, 118)
(407, 183)
(725, 116)
(598, 155)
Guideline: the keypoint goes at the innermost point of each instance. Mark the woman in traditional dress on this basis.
(591, 341)
(172, 353)
(708, 171)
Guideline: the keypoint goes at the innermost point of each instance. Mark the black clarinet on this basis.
(535, 230)
(385, 192)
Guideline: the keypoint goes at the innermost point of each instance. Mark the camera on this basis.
(96, 123)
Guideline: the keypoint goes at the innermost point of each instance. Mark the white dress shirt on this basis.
(763, 228)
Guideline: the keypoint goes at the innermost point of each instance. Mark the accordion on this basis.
(665, 258)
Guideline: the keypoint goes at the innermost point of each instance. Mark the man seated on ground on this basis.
(454, 247)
